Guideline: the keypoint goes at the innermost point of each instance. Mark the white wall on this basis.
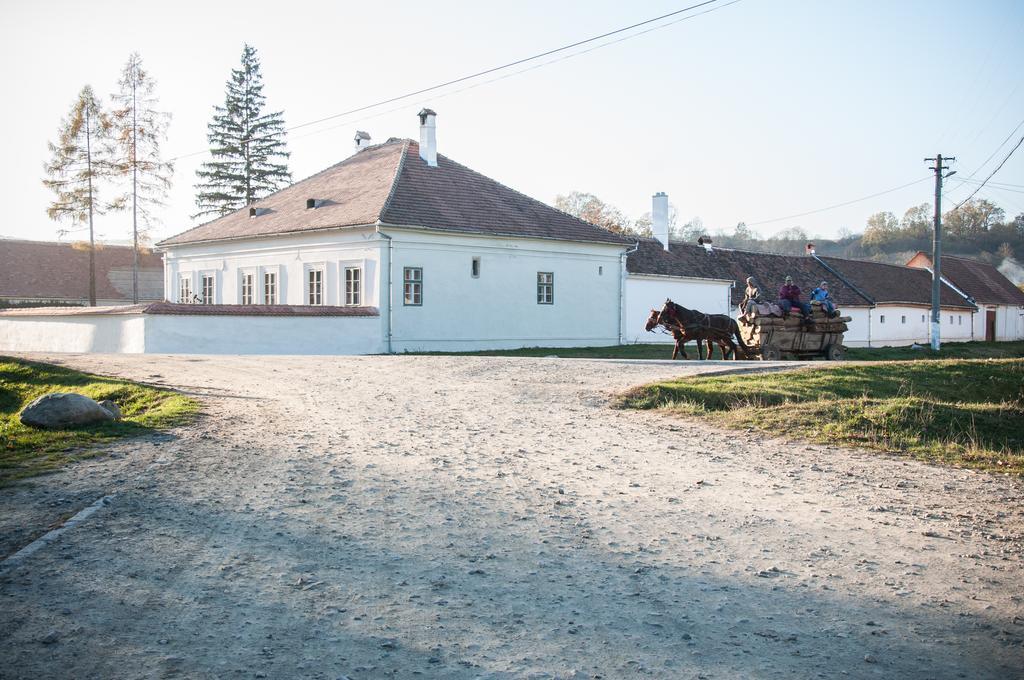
(499, 308)
(121, 333)
(1009, 322)
(172, 334)
(903, 326)
(645, 292)
(290, 256)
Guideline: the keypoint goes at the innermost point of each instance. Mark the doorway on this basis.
(990, 325)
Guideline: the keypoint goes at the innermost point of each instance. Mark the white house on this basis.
(1000, 304)
(397, 248)
(657, 269)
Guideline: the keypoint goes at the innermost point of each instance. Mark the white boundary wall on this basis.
(191, 334)
(645, 292)
(901, 325)
(106, 333)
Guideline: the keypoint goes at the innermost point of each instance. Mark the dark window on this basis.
(545, 288)
(413, 279)
(475, 269)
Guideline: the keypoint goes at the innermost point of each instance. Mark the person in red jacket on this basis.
(789, 297)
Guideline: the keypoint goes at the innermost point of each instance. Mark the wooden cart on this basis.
(772, 337)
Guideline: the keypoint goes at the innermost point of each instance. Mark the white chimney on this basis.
(362, 140)
(428, 137)
(810, 249)
(659, 217)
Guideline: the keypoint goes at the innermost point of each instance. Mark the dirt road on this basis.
(465, 517)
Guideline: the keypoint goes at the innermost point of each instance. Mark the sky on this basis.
(759, 110)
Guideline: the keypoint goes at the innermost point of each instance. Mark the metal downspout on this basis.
(622, 291)
(391, 297)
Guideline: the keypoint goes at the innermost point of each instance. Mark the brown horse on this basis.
(718, 328)
(681, 338)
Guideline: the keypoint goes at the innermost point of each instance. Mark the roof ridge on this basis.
(394, 180)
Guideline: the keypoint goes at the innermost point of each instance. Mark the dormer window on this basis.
(312, 203)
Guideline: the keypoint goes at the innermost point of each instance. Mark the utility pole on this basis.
(135, 198)
(92, 240)
(937, 247)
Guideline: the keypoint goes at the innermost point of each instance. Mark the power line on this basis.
(519, 72)
(840, 205)
(991, 174)
(494, 69)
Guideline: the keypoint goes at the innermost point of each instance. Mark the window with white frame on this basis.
(951, 319)
(185, 288)
(353, 286)
(315, 286)
(545, 288)
(206, 291)
(881, 319)
(903, 319)
(922, 318)
(247, 288)
(959, 320)
(270, 288)
(412, 278)
(474, 269)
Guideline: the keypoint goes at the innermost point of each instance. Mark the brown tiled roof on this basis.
(175, 308)
(981, 281)
(48, 270)
(391, 183)
(769, 270)
(853, 283)
(893, 283)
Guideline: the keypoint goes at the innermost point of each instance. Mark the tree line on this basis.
(108, 157)
(978, 228)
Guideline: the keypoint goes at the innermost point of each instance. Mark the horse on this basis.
(681, 338)
(719, 328)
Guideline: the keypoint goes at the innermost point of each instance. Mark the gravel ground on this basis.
(464, 517)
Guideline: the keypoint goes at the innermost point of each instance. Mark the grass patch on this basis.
(950, 350)
(967, 413)
(953, 350)
(25, 451)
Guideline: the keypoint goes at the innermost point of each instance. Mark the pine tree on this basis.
(81, 158)
(248, 146)
(138, 131)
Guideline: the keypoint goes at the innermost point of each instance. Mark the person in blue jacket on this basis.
(822, 295)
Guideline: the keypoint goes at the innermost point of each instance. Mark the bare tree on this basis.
(139, 128)
(79, 159)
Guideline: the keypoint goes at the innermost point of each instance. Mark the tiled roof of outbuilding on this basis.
(981, 281)
(893, 283)
(851, 282)
(768, 269)
(391, 183)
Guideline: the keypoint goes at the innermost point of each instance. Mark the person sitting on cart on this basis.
(789, 297)
(822, 295)
(751, 297)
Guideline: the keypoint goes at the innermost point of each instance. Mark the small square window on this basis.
(475, 268)
(413, 286)
(545, 288)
